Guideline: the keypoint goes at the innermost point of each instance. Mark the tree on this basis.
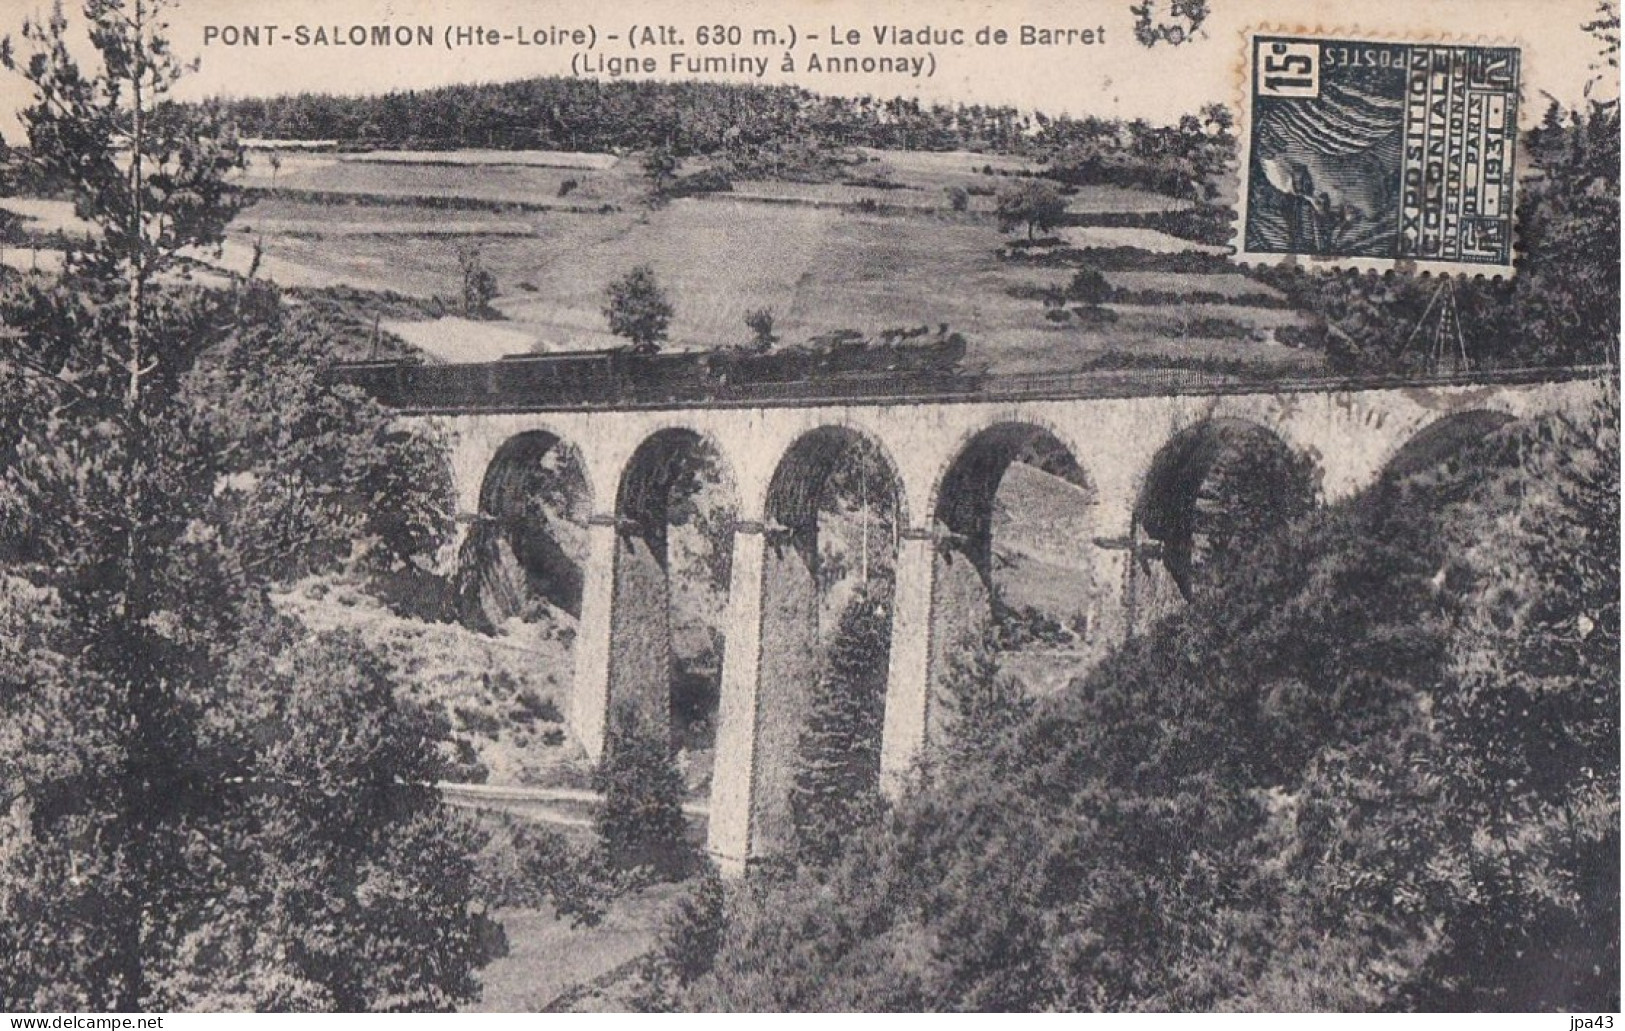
(983, 703)
(203, 809)
(1531, 761)
(837, 778)
(640, 823)
(660, 168)
(1030, 202)
(637, 309)
(479, 285)
(760, 323)
(1339, 780)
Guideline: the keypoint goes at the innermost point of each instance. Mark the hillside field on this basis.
(884, 249)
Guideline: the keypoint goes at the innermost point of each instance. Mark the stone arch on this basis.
(527, 543)
(1442, 440)
(963, 497)
(677, 478)
(806, 465)
(976, 584)
(1210, 489)
(796, 596)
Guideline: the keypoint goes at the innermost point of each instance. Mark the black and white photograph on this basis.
(783, 506)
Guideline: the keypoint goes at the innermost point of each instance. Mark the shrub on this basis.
(535, 707)
(1094, 315)
(567, 187)
(477, 721)
(1219, 328)
(710, 180)
(958, 198)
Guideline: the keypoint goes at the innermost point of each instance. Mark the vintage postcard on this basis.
(514, 506)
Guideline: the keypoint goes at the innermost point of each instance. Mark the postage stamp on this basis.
(1380, 155)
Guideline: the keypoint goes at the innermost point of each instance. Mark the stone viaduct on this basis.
(948, 454)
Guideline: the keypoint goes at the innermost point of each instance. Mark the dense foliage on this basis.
(754, 131)
(682, 118)
(204, 808)
(1377, 768)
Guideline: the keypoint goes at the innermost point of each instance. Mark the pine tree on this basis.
(640, 823)
(838, 757)
(982, 703)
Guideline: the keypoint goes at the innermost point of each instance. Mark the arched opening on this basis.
(675, 513)
(832, 511)
(1014, 516)
(524, 555)
(519, 579)
(1212, 493)
(1436, 455)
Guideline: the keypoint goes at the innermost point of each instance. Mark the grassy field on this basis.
(475, 177)
(823, 257)
(819, 270)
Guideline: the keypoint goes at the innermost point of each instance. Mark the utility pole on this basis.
(1447, 348)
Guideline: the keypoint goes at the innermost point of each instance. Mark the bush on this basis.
(1218, 328)
(533, 707)
(1093, 316)
(567, 187)
(477, 721)
(958, 198)
(710, 180)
